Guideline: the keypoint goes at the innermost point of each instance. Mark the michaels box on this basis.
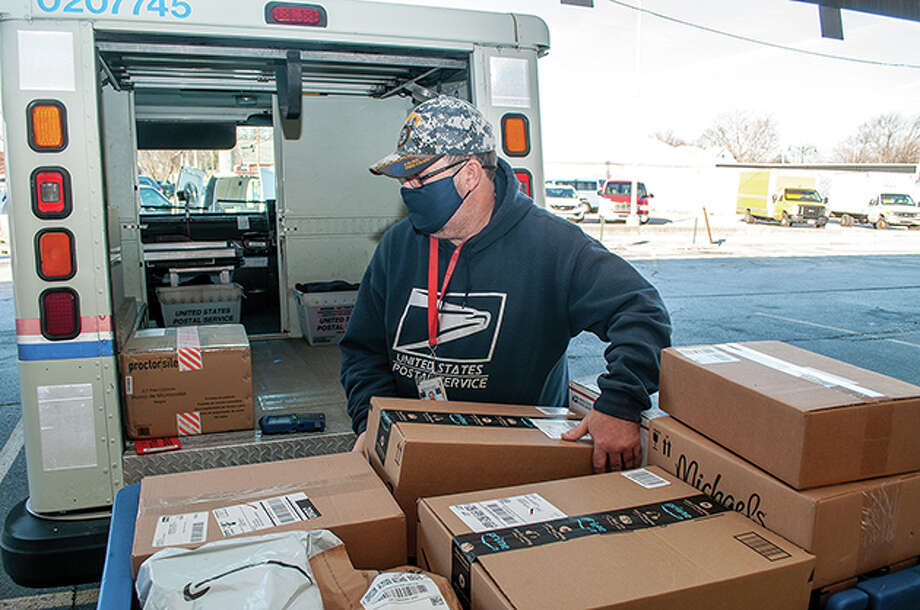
(584, 391)
(806, 419)
(626, 540)
(851, 528)
(426, 448)
(338, 492)
(188, 380)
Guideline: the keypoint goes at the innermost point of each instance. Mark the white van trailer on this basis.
(85, 83)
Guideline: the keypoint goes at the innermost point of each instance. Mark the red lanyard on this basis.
(434, 302)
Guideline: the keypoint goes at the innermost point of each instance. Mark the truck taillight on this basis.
(526, 180)
(47, 125)
(515, 135)
(54, 254)
(283, 13)
(51, 193)
(60, 314)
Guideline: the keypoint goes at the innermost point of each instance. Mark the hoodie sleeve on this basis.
(365, 363)
(609, 298)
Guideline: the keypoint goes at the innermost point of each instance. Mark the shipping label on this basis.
(263, 514)
(404, 591)
(506, 512)
(187, 528)
(706, 355)
(645, 478)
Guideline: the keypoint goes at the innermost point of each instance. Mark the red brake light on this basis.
(60, 314)
(55, 254)
(51, 193)
(526, 180)
(310, 15)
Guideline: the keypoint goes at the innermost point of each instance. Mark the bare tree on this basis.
(743, 135)
(670, 138)
(887, 138)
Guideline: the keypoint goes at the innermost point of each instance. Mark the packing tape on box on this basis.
(466, 548)
(878, 524)
(188, 349)
(876, 438)
(313, 489)
(389, 417)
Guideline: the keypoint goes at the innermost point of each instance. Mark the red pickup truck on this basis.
(616, 200)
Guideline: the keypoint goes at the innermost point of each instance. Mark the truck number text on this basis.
(156, 8)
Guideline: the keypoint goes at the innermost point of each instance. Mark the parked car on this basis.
(617, 195)
(786, 198)
(586, 190)
(563, 201)
(886, 209)
(153, 201)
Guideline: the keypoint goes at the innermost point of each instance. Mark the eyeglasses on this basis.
(421, 178)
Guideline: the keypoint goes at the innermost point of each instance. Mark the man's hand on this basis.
(616, 441)
(359, 444)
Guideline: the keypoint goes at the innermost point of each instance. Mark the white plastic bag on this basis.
(251, 573)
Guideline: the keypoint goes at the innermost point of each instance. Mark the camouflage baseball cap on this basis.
(441, 126)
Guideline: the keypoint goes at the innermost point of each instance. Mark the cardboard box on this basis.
(429, 448)
(338, 492)
(636, 539)
(584, 391)
(186, 381)
(851, 528)
(805, 418)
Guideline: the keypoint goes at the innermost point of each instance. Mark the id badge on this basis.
(432, 389)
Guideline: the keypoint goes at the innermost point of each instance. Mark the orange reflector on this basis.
(55, 254)
(47, 126)
(516, 135)
(526, 181)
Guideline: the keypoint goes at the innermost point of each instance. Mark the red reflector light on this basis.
(50, 193)
(47, 124)
(310, 15)
(54, 254)
(526, 180)
(60, 312)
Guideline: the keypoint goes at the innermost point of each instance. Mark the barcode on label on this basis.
(499, 511)
(762, 546)
(706, 355)
(645, 478)
(280, 511)
(197, 532)
(129, 385)
(407, 591)
(484, 519)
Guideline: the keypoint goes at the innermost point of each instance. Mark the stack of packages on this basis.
(821, 452)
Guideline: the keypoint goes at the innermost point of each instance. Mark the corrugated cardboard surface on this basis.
(851, 528)
(698, 563)
(156, 390)
(796, 428)
(351, 500)
(429, 459)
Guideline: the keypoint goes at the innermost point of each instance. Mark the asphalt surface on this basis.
(863, 309)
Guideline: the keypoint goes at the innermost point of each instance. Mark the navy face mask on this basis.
(431, 205)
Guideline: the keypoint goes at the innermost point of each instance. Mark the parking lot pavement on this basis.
(683, 236)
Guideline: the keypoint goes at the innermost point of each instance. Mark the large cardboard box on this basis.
(636, 539)
(186, 381)
(851, 528)
(805, 418)
(427, 448)
(583, 391)
(338, 492)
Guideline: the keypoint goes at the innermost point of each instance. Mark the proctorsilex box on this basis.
(428, 447)
(634, 539)
(583, 391)
(187, 380)
(851, 528)
(338, 492)
(806, 419)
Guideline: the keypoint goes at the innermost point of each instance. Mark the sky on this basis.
(596, 94)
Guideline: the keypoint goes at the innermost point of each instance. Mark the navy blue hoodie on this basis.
(523, 286)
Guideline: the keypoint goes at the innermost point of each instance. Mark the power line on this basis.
(765, 43)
